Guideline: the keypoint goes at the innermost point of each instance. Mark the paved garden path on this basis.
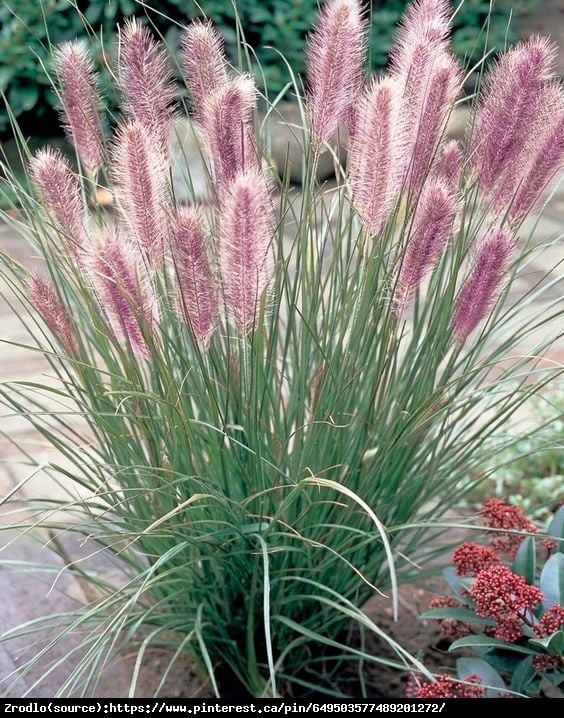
(25, 596)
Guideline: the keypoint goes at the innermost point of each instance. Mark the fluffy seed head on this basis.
(334, 66)
(116, 278)
(424, 21)
(481, 288)
(227, 130)
(58, 189)
(146, 82)
(81, 102)
(546, 159)
(421, 146)
(422, 37)
(246, 227)
(45, 300)
(449, 164)
(431, 229)
(197, 289)
(203, 61)
(514, 94)
(373, 167)
(141, 189)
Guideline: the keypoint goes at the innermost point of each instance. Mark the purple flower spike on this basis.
(334, 66)
(198, 300)
(81, 102)
(444, 85)
(141, 189)
(449, 164)
(515, 91)
(58, 189)
(373, 168)
(115, 272)
(45, 300)
(547, 159)
(425, 24)
(431, 229)
(246, 231)
(228, 132)
(146, 82)
(481, 288)
(203, 62)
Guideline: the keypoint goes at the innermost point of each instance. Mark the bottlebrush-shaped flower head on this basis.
(46, 301)
(425, 22)
(481, 288)
(141, 188)
(247, 228)
(424, 133)
(81, 102)
(227, 130)
(422, 39)
(198, 301)
(334, 66)
(448, 166)
(203, 61)
(116, 275)
(146, 82)
(545, 160)
(373, 167)
(58, 189)
(515, 92)
(430, 232)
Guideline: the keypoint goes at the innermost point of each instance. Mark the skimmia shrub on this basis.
(507, 607)
(279, 395)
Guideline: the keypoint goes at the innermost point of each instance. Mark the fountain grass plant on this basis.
(269, 401)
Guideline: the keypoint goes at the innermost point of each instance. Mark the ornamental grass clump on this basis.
(268, 400)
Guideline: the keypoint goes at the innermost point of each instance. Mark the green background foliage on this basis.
(28, 27)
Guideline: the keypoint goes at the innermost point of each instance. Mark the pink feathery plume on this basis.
(246, 227)
(81, 102)
(425, 23)
(515, 91)
(227, 130)
(481, 288)
(373, 168)
(203, 61)
(116, 277)
(334, 60)
(46, 301)
(146, 82)
(448, 166)
(430, 232)
(198, 300)
(546, 160)
(141, 189)
(58, 189)
(421, 147)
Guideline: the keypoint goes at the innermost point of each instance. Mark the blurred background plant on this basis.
(530, 473)
(28, 28)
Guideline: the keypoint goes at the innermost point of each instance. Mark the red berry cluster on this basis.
(446, 687)
(470, 559)
(496, 514)
(552, 621)
(506, 597)
(548, 663)
(450, 628)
